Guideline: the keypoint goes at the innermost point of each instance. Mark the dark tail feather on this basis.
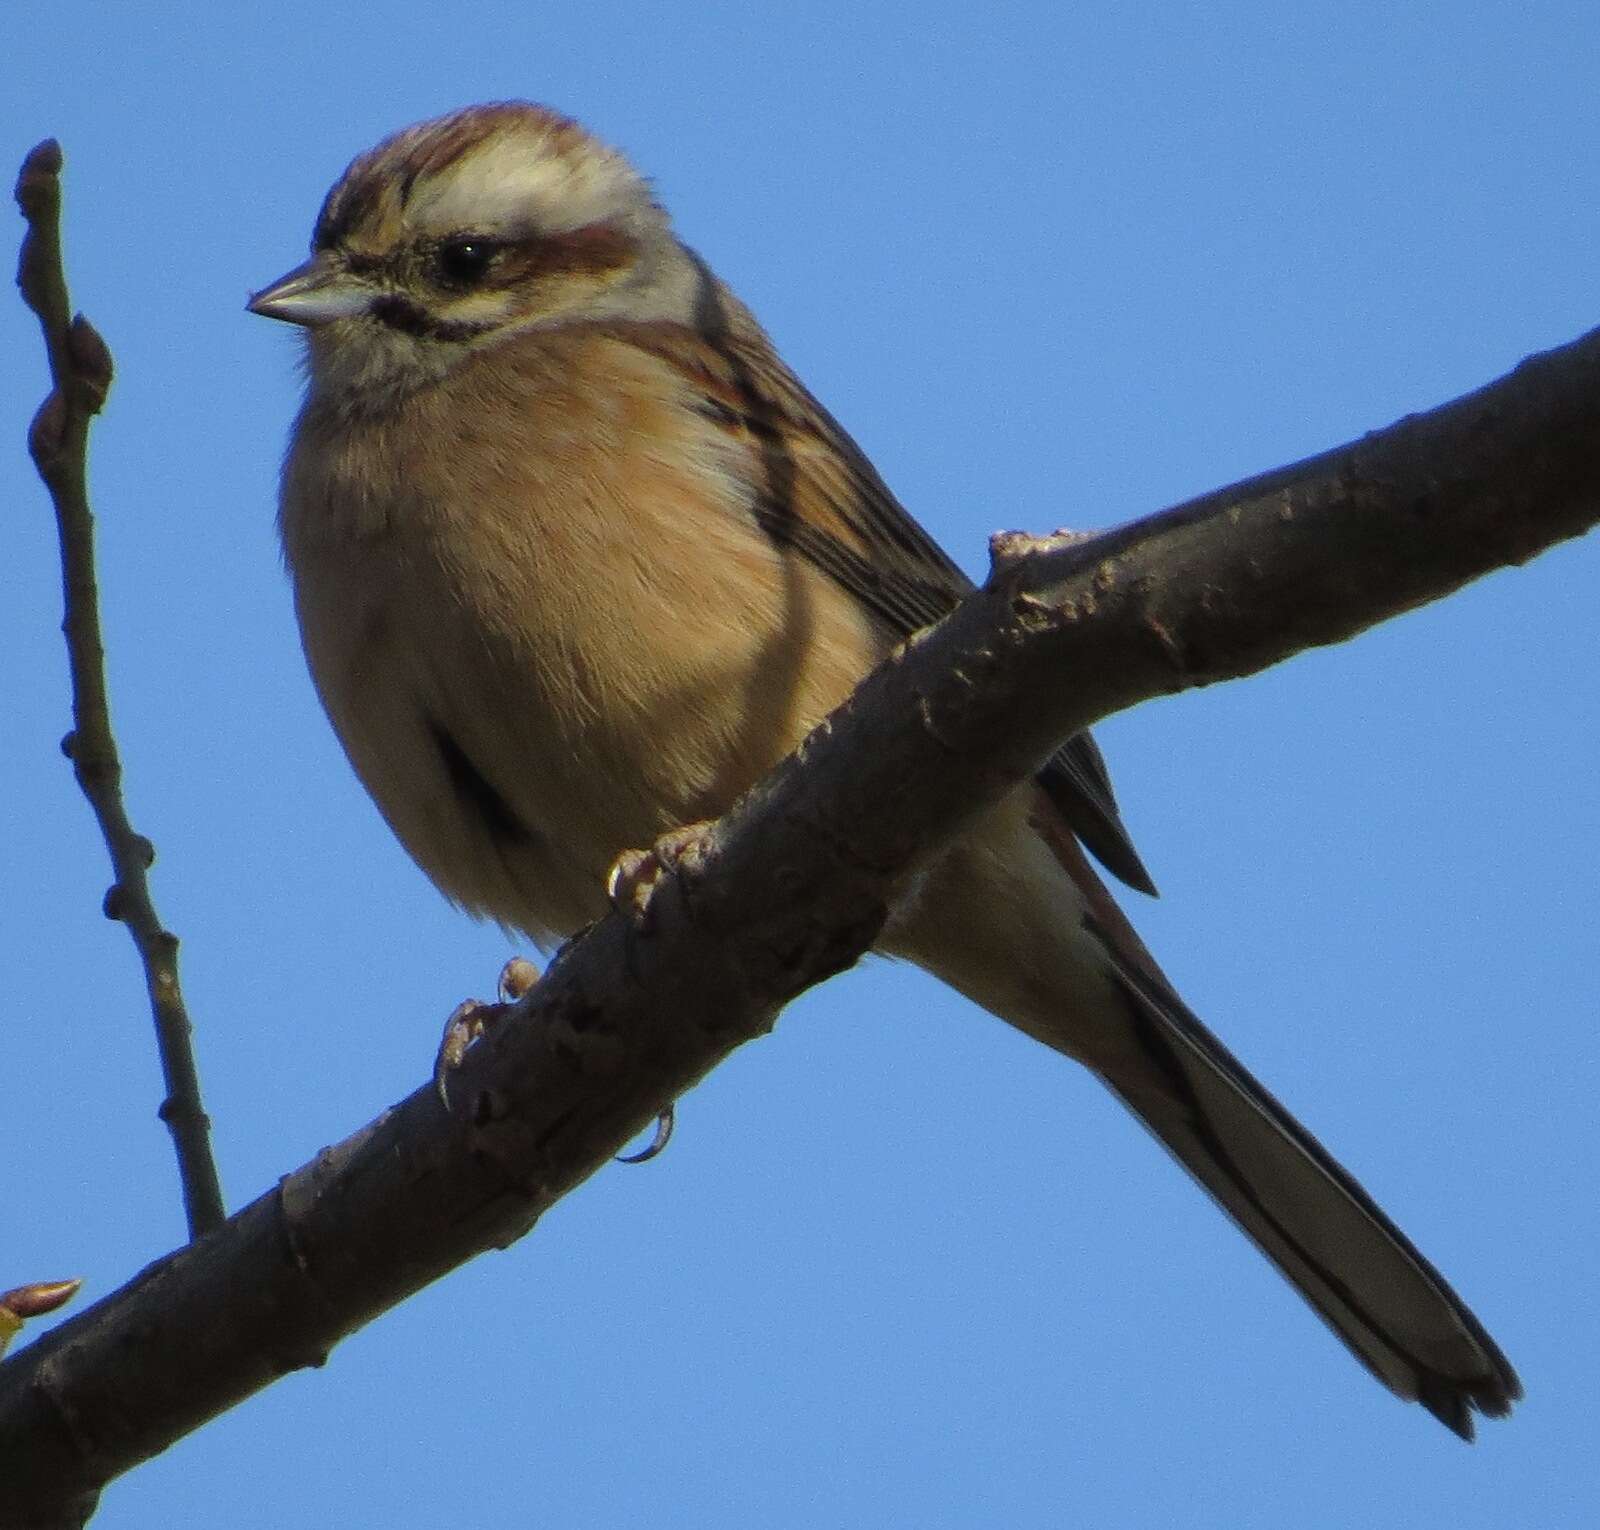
(1359, 1272)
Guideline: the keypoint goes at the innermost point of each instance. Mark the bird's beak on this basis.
(316, 293)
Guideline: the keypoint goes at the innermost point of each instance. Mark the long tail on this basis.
(1360, 1273)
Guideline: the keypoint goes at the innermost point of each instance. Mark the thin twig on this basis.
(80, 371)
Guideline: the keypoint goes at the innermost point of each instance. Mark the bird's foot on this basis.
(635, 874)
(472, 1018)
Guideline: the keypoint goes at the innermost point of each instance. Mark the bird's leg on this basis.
(630, 885)
(472, 1018)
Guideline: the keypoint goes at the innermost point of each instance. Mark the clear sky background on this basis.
(1052, 264)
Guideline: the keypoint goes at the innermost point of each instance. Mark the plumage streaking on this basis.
(577, 558)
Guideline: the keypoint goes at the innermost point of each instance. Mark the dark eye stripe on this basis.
(596, 250)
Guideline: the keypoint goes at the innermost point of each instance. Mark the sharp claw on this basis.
(664, 1125)
(463, 1027)
(629, 882)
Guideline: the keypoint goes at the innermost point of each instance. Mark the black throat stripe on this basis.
(411, 318)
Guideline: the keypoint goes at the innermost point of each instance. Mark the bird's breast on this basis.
(547, 629)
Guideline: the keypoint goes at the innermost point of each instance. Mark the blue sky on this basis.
(1051, 265)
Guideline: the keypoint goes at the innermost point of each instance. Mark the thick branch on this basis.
(792, 886)
(80, 371)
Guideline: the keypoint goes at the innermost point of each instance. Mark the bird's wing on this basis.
(820, 496)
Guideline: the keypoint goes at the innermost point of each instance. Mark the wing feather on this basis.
(817, 493)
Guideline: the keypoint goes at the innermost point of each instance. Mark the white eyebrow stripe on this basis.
(514, 180)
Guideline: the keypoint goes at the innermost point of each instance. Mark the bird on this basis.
(576, 559)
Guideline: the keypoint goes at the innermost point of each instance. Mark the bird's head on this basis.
(458, 232)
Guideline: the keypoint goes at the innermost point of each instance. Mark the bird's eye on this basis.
(465, 261)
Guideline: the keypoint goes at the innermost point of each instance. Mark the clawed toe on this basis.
(472, 1018)
(635, 874)
(664, 1124)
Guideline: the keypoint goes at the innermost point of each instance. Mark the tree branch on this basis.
(80, 371)
(792, 886)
